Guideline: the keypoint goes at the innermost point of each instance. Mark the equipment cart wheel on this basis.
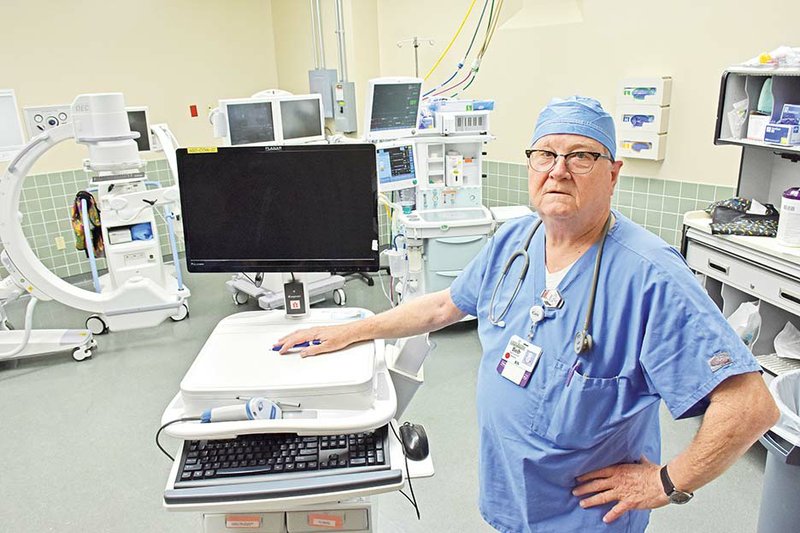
(240, 298)
(183, 312)
(339, 297)
(80, 354)
(96, 325)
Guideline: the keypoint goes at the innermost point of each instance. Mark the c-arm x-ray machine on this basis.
(139, 291)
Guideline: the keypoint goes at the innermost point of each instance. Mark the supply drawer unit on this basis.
(446, 257)
(733, 274)
(352, 516)
(452, 253)
(765, 284)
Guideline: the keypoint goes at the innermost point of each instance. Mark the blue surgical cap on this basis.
(577, 115)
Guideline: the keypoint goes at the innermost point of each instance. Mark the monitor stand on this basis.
(364, 276)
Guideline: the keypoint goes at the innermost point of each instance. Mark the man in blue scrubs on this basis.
(568, 392)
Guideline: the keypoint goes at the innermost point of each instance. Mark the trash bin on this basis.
(780, 512)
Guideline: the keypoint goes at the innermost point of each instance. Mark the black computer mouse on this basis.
(415, 441)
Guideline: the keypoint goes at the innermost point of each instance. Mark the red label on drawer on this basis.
(326, 521)
(240, 521)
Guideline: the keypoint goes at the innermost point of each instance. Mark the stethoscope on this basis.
(583, 340)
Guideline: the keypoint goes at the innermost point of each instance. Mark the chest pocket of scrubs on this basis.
(584, 412)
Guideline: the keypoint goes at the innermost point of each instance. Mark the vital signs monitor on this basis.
(392, 108)
(397, 166)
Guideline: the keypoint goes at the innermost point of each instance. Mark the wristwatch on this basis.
(674, 495)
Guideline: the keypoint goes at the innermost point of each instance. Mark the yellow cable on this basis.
(491, 29)
(458, 32)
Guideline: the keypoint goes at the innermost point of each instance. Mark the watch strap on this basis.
(674, 495)
(666, 482)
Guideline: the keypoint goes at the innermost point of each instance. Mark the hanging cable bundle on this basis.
(491, 26)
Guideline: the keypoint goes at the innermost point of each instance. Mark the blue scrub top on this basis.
(657, 335)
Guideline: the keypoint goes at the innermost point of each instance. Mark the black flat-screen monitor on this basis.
(310, 208)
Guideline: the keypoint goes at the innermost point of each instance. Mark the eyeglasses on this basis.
(577, 162)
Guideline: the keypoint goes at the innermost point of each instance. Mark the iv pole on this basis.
(416, 41)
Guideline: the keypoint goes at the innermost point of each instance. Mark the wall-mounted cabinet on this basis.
(745, 86)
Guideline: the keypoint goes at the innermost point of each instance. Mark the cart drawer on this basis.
(770, 286)
(250, 522)
(452, 253)
(327, 520)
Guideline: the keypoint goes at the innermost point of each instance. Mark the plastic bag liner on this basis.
(786, 391)
(787, 342)
(746, 322)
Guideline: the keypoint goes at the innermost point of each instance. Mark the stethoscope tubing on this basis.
(583, 338)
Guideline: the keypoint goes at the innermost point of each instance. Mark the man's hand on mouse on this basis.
(331, 338)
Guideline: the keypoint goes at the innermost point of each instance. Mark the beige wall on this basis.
(170, 54)
(693, 41)
(166, 54)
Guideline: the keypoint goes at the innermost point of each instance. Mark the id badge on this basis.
(518, 361)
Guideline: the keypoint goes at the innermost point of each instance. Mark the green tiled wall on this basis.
(46, 202)
(656, 204)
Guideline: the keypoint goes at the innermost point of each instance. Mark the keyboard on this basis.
(282, 465)
(211, 462)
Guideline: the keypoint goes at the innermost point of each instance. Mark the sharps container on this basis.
(789, 221)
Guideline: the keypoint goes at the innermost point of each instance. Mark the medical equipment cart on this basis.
(349, 391)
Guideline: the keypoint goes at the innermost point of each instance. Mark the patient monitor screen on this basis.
(395, 106)
(301, 118)
(396, 167)
(250, 123)
(309, 208)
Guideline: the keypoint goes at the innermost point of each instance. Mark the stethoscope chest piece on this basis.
(583, 342)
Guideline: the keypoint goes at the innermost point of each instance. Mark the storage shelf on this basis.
(766, 71)
(759, 144)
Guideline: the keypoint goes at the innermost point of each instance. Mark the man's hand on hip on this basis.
(632, 486)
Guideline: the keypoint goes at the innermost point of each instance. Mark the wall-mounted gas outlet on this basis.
(42, 118)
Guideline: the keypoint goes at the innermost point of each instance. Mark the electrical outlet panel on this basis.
(39, 119)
